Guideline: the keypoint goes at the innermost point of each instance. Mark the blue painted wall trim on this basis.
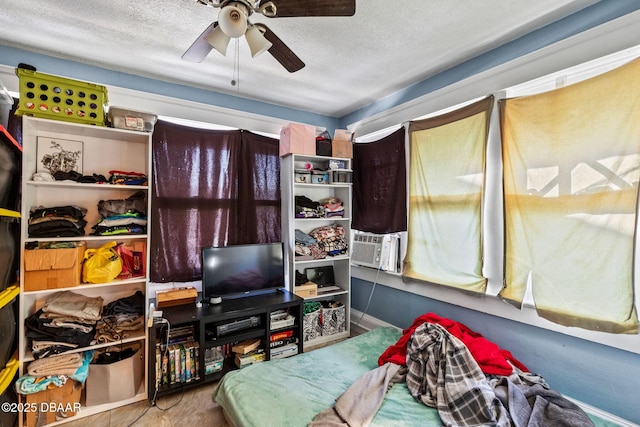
(47, 64)
(598, 375)
(585, 19)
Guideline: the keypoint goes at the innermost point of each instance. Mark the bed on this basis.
(291, 392)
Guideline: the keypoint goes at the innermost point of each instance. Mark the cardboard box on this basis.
(46, 404)
(342, 144)
(114, 381)
(53, 268)
(297, 138)
(308, 290)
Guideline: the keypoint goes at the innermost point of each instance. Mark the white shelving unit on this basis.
(342, 263)
(104, 149)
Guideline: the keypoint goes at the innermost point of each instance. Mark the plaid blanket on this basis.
(442, 373)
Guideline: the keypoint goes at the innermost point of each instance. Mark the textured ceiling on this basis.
(350, 61)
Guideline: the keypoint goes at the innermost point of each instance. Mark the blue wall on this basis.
(585, 19)
(598, 375)
(46, 64)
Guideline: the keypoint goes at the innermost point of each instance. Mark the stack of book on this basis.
(248, 352)
(283, 344)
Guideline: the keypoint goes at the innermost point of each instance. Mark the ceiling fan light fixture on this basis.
(233, 21)
(218, 40)
(258, 44)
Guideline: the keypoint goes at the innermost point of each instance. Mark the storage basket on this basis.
(59, 98)
(311, 328)
(334, 318)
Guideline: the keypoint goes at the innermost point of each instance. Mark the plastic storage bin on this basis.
(319, 177)
(122, 118)
(59, 98)
(302, 176)
(213, 360)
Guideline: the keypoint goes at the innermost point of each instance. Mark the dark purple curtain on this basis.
(210, 188)
(380, 185)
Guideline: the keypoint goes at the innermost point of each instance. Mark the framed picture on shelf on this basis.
(55, 154)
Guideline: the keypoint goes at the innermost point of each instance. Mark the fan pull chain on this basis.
(235, 81)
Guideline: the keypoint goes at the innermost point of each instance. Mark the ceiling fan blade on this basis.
(199, 49)
(291, 8)
(281, 52)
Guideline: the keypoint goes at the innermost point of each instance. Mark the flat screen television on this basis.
(241, 270)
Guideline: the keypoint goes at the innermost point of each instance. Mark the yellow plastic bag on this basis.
(101, 265)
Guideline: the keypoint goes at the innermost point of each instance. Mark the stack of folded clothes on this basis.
(127, 178)
(70, 176)
(126, 216)
(333, 207)
(321, 242)
(120, 318)
(67, 320)
(54, 371)
(307, 208)
(325, 208)
(331, 239)
(57, 221)
(307, 247)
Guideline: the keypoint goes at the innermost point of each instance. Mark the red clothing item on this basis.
(490, 358)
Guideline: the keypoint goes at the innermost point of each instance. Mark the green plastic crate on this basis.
(59, 98)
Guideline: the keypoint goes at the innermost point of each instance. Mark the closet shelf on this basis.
(88, 238)
(81, 185)
(137, 336)
(83, 286)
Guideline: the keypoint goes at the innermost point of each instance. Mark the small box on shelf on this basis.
(297, 138)
(307, 290)
(342, 143)
(302, 176)
(319, 177)
(53, 268)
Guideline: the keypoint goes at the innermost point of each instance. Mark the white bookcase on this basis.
(103, 149)
(341, 263)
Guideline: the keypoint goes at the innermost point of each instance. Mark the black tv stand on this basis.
(221, 325)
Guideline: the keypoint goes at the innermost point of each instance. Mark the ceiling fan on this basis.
(233, 22)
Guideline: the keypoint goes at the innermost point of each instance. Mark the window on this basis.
(210, 188)
(571, 172)
(446, 182)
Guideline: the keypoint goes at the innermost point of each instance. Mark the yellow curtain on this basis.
(571, 170)
(446, 182)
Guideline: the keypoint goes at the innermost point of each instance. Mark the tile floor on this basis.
(195, 407)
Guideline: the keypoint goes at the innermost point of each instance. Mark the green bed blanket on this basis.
(291, 392)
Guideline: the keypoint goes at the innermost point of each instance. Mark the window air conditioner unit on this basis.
(379, 251)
